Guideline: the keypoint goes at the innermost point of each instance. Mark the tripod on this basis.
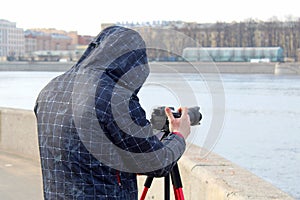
(176, 181)
(158, 118)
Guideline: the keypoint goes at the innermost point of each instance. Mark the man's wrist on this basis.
(178, 133)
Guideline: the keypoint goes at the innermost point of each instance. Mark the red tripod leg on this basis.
(176, 181)
(181, 197)
(147, 185)
(177, 184)
(178, 194)
(144, 193)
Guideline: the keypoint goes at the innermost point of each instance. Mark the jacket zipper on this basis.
(118, 178)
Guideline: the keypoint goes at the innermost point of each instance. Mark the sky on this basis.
(86, 16)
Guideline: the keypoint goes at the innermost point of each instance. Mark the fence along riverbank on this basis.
(212, 178)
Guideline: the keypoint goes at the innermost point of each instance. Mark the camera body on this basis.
(159, 119)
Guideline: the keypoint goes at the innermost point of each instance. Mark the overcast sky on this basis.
(86, 16)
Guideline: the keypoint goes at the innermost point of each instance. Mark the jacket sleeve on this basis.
(147, 154)
(175, 151)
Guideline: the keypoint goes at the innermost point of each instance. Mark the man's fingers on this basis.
(183, 110)
(169, 113)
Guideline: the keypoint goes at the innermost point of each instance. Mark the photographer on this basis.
(93, 133)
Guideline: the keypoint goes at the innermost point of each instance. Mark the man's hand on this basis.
(182, 124)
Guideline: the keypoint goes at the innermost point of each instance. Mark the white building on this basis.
(12, 40)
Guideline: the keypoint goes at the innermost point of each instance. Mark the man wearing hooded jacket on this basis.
(93, 133)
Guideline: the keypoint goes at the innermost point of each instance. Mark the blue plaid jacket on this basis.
(93, 134)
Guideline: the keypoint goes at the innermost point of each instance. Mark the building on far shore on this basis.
(12, 41)
(39, 44)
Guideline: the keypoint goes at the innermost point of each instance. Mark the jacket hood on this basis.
(120, 53)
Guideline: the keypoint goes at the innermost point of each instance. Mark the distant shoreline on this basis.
(171, 67)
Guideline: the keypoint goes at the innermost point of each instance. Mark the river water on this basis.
(258, 119)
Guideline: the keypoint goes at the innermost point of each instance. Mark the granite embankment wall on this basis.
(171, 67)
(212, 178)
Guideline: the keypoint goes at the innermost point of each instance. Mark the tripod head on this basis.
(159, 119)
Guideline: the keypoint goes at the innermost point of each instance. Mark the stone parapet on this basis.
(18, 132)
(215, 178)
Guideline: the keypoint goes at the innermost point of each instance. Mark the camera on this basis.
(159, 119)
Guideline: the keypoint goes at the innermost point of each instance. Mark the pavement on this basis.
(20, 178)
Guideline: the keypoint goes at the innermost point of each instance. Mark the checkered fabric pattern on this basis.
(93, 133)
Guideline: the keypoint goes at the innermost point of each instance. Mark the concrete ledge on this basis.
(287, 69)
(213, 178)
(156, 67)
(18, 132)
(36, 66)
(172, 67)
(211, 67)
